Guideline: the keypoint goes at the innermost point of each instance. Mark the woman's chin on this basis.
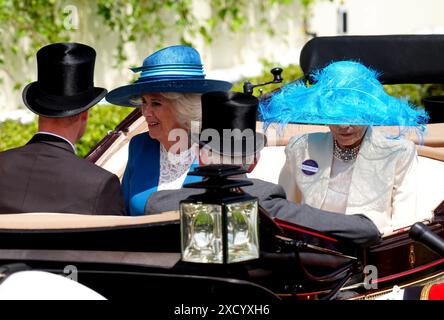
(349, 144)
(346, 143)
(154, 134)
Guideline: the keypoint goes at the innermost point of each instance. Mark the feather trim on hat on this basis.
(344, 92)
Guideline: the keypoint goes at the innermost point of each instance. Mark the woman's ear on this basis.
(205, 156)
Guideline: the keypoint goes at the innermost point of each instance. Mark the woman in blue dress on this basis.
(168, 91)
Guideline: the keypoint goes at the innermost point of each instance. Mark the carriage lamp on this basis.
(220, 225)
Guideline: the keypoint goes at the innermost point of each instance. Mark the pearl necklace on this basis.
(345, 154)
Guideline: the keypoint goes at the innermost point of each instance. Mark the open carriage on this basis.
(114, 255)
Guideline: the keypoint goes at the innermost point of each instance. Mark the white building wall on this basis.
(232, 56)
(373, 17)
(237, 55)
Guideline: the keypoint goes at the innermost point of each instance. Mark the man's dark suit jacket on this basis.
(357, 228)
(46, 176)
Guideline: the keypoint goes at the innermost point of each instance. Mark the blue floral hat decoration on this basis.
(171, 69)
(344, 92)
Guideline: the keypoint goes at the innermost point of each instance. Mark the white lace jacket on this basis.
(383, 184)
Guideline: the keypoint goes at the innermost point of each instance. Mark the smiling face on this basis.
(160, 116)
(348, 136)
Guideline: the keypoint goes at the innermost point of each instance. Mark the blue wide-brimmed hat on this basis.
(344, 92)
(172, 69)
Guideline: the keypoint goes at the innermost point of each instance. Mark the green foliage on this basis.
(152, 20)
(26, 26)
(132, 19)
(14, 134)
(411, 92)
(38, 21)
(42, 21)
(415, 92)
(102, 118)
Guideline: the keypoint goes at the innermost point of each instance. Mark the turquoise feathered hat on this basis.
(344, 92)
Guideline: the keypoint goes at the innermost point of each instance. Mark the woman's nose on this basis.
(147, 110)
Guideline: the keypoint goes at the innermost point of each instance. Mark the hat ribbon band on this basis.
(179, 73)
(168, 77)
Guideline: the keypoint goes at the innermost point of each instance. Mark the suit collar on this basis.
(52, 139)
(59, 136)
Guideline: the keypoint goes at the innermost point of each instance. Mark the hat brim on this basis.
(122, 96)
(62, 106)
(260, 142)
(321, 105)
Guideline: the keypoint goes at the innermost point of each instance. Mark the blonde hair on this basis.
(187, 106)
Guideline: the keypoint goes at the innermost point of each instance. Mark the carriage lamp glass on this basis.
(220, 225)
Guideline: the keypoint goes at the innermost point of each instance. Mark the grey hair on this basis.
(186, 106)
(216, 158)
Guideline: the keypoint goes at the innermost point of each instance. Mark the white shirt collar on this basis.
(56, 135)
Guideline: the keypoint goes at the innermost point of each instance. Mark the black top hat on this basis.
(65, 85)
(229, 123)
